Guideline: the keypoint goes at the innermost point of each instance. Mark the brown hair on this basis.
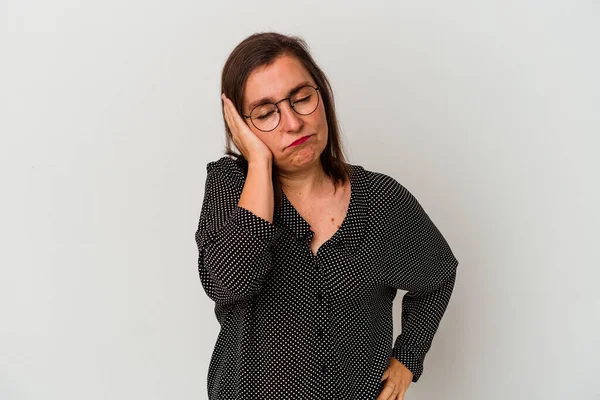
(261, 49)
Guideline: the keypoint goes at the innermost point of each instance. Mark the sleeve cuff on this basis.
(409, 360)
(256, 225)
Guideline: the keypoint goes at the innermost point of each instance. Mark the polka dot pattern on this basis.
(294, 325)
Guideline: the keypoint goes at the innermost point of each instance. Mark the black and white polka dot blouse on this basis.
(294, 325)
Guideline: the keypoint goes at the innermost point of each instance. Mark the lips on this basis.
(301, 140)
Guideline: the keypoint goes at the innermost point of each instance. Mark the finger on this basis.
(232, 126)
(388, 392)
(227, 112)
(402, 391)
(230, 109)
(385, 374)
(234, 132)
(235, 115)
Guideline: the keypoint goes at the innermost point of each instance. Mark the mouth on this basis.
(300, 141)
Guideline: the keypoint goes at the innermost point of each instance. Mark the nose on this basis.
(290, 120)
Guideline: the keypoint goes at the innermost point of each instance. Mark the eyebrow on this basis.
(271, 100)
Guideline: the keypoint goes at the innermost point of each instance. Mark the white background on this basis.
(488, 112)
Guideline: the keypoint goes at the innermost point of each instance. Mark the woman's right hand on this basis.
(250, 145)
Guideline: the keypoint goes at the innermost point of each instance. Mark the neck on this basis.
(304, 183)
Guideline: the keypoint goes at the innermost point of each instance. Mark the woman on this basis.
(303, 253)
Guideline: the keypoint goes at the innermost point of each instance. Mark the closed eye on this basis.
(302, 100)
(264, 116)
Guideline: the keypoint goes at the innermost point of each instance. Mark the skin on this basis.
(397, 380)
(301, 172)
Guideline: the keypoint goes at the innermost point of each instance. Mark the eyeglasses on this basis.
(266, 117)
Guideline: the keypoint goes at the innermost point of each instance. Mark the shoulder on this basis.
(387, 190)
(227, 167)
(397, 211)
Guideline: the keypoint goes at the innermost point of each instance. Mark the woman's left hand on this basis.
(398, 379)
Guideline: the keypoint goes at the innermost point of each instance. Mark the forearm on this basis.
(422, 313)
(237, 258)
(257, 194)
(234, 243)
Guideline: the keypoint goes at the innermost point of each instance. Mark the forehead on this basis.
(275, 80)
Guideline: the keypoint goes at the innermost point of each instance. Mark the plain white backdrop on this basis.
(487, 111)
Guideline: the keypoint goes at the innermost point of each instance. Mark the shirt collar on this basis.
(349, 235)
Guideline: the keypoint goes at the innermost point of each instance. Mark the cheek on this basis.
(321, 117)
(267, 138)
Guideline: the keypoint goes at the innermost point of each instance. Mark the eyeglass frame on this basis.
(289, 99)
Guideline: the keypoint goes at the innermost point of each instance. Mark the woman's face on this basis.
(275, 82)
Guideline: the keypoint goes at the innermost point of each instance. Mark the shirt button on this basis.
(320, 332)
(319, 295)
(323, 368)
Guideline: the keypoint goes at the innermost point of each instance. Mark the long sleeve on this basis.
(234, 244)
(421, 316)
(422, 263)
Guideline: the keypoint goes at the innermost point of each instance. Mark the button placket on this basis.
(321, 316)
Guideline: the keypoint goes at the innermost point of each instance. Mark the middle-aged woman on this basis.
(303, 252)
